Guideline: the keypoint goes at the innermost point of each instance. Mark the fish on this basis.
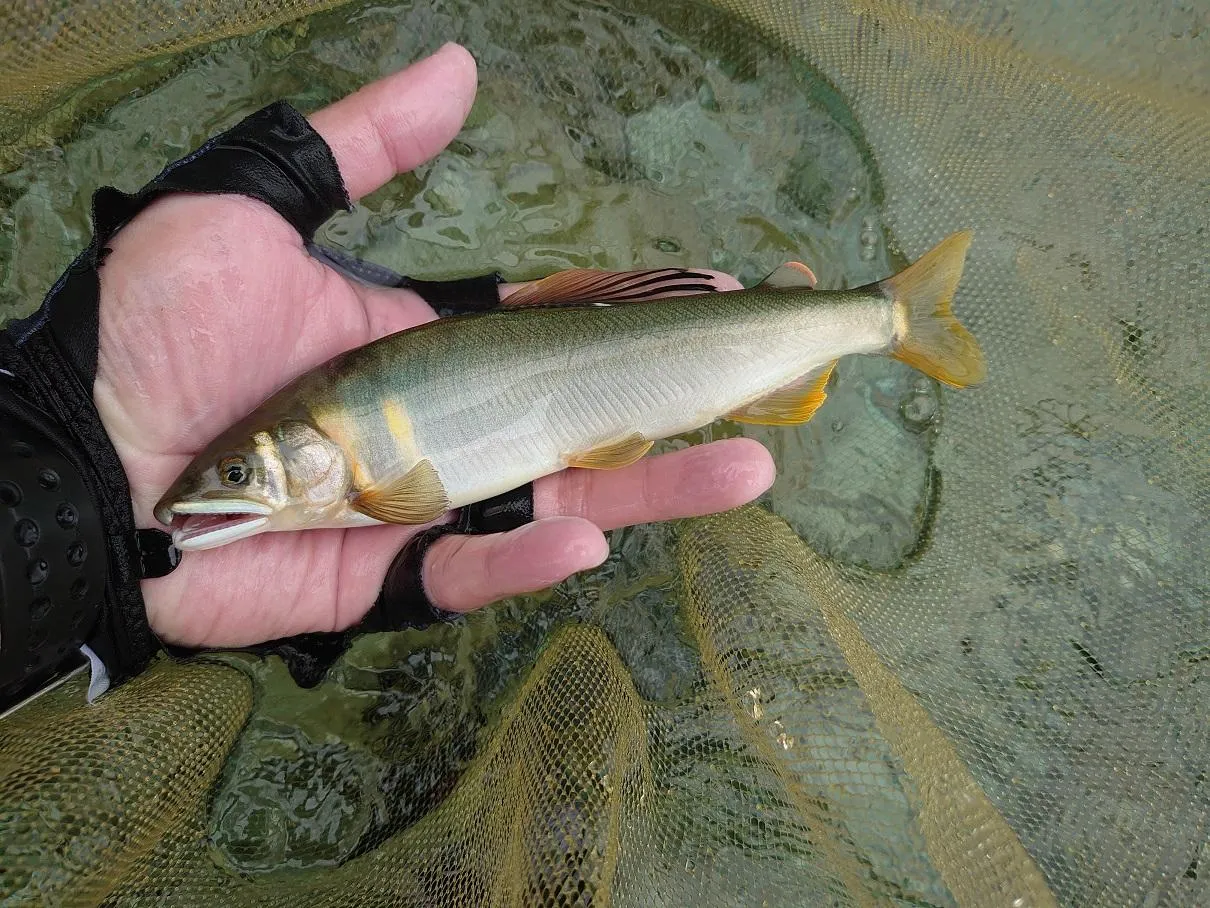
(582, 369)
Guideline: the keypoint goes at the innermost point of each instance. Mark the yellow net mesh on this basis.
(88, 792)
(49, 48)
(1014, 715)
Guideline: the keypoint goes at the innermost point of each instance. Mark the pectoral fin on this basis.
(791, 405)
(612, 456)
(582, 285)
(416, 497)
(791, 276)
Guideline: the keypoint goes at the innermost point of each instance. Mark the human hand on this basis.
(210, 303)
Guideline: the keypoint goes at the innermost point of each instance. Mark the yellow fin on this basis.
(791, 276)
(927, 336)
(791, 405)
(416, 497)
(582, 285)
(612, 456)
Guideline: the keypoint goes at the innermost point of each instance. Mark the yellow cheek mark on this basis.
(400, 426)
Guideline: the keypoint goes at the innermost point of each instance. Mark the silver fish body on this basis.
(457, 410)
(505, 398)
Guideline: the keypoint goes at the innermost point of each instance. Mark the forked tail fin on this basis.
(927, 336)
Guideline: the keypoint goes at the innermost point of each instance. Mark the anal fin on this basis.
(612, 456)
(416, 497)
(790, 405)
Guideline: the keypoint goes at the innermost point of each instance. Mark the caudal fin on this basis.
(927, 336)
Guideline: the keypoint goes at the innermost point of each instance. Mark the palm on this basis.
(188, 349)
(209, 304)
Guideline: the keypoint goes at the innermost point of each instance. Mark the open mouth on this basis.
(200, 525)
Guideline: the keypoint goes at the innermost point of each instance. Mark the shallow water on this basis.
(662, 153)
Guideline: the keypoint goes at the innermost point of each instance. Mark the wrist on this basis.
(70, 557)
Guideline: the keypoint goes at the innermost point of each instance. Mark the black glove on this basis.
(71, 558)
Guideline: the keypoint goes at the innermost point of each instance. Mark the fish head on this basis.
(285, 476)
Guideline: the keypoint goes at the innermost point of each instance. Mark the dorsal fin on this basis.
(584, 285)
(790, 405)
(791, 276)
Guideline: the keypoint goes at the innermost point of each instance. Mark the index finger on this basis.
(701, 479)
(400, 121)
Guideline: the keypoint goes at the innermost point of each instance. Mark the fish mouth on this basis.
(198, 525)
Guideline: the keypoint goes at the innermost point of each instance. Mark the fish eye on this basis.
(233, 471)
